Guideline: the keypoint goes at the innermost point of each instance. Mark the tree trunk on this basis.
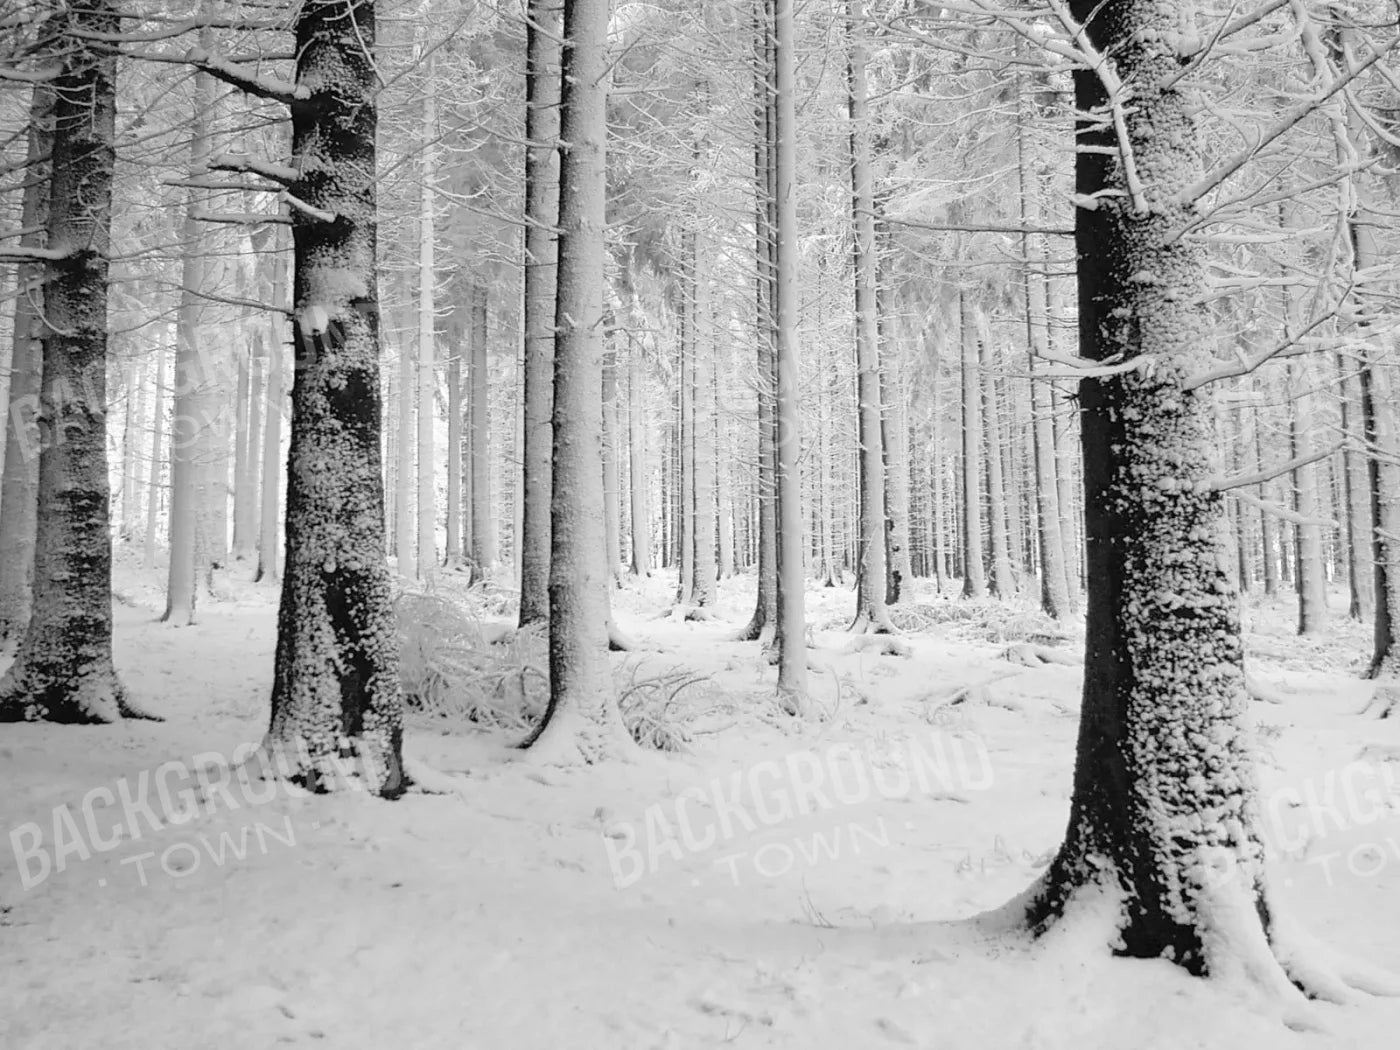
(405, 541)
(427, 328)
(612, 511)
(454, 449)
(791, 600)
(19, 491)
(63, 670)
(894, 441)
(974, 574)
(478, 385)
(704, 567)
(871, 579)
(1360, 572)
(1311, 580)
(153, 488)
(762, 626)
(543, 30)
(191, 465)
(1003, 582)
(582, 721)
(270, 519)
(637, 450)
(1164, 814)
(335, 692)
(248, 482)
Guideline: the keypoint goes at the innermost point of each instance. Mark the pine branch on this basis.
(281, 173)
(1287, 347)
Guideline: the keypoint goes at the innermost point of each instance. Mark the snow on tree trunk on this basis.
(483, 538)
(637, 460)
(762, 626)
(791, 599)
(894, 439)
(1003, 582)
(194, 411)
(269, 526)
(153, 486)
(248, 482)
(582, 721)
(454, 447)
(1311, 573)
(871, 579)
(974, 573)
(1164, 813)
(1357, 499)
(543, 30)
(20, 487)
(612, 511)
(405, 545)
(63, 669)
(337, 711)
(704, 565)
(427, 325)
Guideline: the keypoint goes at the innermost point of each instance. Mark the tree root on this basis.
(879, 644)
(570, 740)
(1385, 698)
(682, 613)
(1029, 655)
(1257, 690)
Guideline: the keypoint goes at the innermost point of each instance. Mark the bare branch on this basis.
(23, 254)
(1287, 347)
(307, 209)
(238, 219)
(283, 173)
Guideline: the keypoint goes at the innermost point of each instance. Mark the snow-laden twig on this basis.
(307, 209)
(1286, 123)
(29, 254)
(1261, 476)
(239, 218)
(273, 88)
(1117, 96)
(1283, 513)
(283, 173)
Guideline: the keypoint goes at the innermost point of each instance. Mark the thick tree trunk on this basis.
(19, 491)
(582, 721)
(63, 669)
(543, 31)
(337, 711)
(1165, 814)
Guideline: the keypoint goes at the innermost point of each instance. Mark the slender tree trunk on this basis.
(894, 441)
(335, 691)
(542, 34)
(762, 626)
(478, 380)
(791, 626)
(404, 538)
(63, 669)
(454, 455)
(974, 574)
(637, 451)
(191, 463)
(153, 488)
(582, 721)
(612, 511)
(1003, 581)
(1311, 581)
(871, 579)
(704, 568)
(427, 327)
(242, 526)
(257, 398)
(1360, 571)
(19, 491)
(270, 520)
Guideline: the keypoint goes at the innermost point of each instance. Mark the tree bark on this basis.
(1164, 813)
(19, 490)
(974, 573)
(63, 669)
(427, 326)
(483, 536)
(337, 710)
(582, 721)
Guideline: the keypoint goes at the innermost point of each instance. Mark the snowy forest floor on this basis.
(493, 919)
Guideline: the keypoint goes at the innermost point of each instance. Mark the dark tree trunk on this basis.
(337, 711)
(1164, 814)
(63, 670)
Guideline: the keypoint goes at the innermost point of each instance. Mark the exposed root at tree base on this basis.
(880, 644)
(570, 740)
(1280, 964)
(1385, 698)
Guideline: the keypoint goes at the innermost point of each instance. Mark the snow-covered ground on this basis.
(783, 884)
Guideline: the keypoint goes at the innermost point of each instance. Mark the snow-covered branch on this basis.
(1286, 123)
(30, 254)
(1259, 477)
(283, 173)
(274, 88)
(1290, 346)
(1274, 509)
(1083, 368)
(307, 209)
(238, 218)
